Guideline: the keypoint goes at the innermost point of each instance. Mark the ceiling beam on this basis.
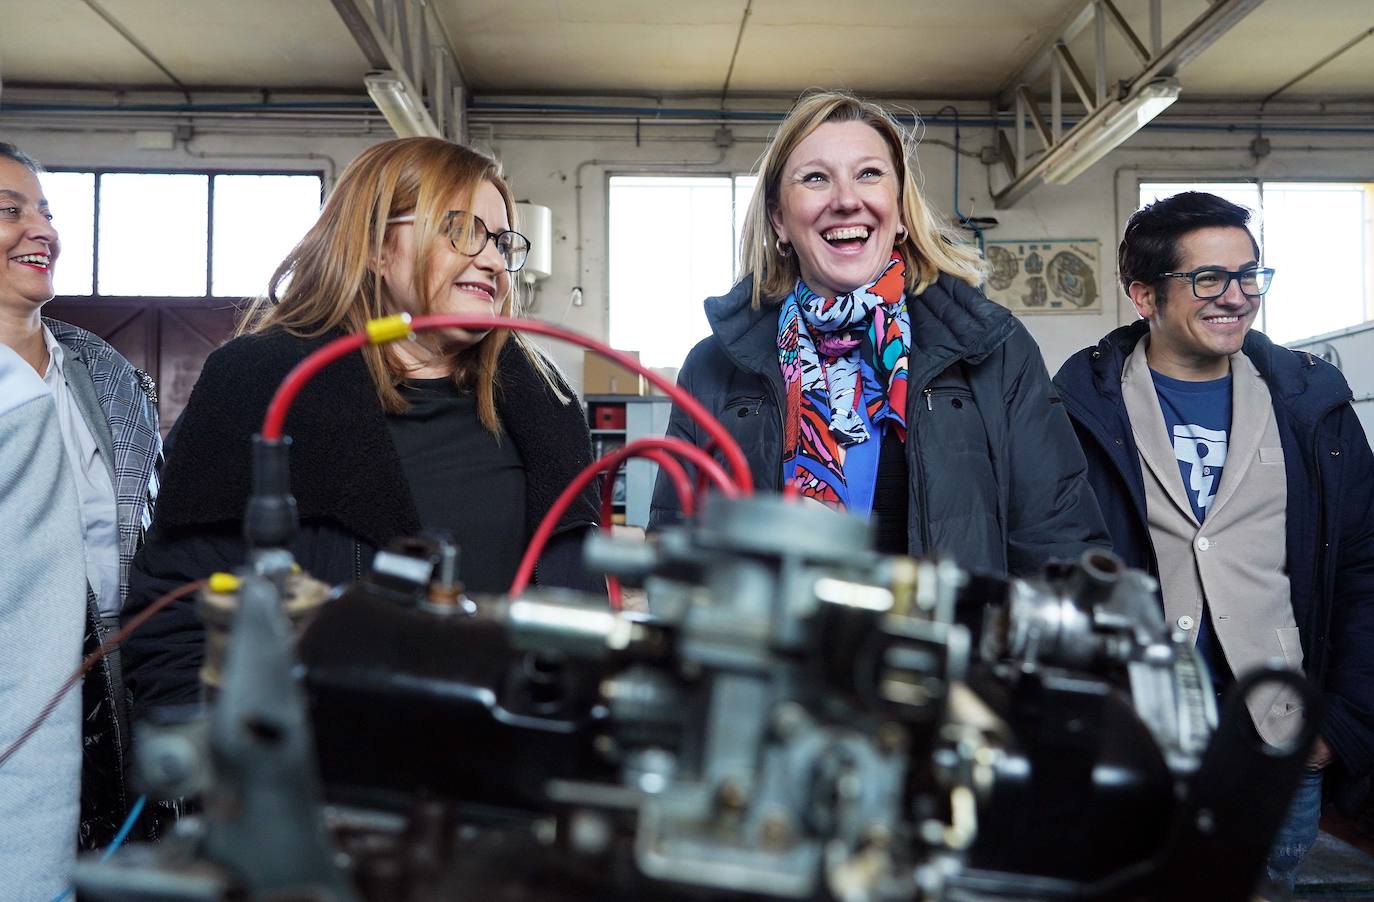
(407, 46)
(1105, 124)
(138, 45)
(1040, 61)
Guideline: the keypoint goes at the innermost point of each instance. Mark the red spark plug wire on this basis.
(395, 327)
(391, 328)
(694, 455)
(682, 485)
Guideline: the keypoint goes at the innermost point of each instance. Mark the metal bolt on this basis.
(730, 795)
(545, 831)
(891, 736)
(789, 719)
(776, 831)
(605, 746)
(589, 833)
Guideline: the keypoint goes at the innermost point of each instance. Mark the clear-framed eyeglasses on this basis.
(1211, 282)
(513, 247)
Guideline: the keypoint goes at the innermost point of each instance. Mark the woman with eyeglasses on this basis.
(472, 433)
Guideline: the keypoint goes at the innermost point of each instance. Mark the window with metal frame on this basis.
(673, 242)
(139, 233)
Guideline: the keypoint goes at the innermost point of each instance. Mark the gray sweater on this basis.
(42, 617)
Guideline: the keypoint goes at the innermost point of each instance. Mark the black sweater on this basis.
(351, 493)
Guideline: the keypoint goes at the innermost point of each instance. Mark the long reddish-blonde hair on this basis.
(329, 280)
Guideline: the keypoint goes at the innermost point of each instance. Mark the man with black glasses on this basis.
(1236, 472)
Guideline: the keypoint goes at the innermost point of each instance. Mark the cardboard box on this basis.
(602, 377)
(667, 372)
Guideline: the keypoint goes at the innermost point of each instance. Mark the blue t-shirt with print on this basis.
(1197, 416)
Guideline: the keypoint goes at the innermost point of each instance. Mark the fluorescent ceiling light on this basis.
(1086, 145)
(402, 110)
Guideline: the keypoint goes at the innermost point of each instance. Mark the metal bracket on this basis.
(406, 41)
(1111, 114)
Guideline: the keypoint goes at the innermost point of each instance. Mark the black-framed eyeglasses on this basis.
(513, 247)
(1211, 282)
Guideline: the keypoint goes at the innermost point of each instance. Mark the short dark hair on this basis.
(1149, 245)
(9, 151)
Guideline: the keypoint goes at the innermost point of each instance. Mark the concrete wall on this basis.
(547, 162)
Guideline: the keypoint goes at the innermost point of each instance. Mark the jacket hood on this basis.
(951, 320)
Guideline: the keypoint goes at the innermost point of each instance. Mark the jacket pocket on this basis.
(1271, 455)
(750, 420)
(741, 408)
(953, 420)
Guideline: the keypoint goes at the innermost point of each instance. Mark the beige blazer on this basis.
(1236, 560)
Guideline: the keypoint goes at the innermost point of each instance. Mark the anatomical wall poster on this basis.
(1051, 275)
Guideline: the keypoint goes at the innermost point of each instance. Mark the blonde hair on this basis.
(929, 247)
(329, 280)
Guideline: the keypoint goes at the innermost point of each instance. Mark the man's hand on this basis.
(1320, 755)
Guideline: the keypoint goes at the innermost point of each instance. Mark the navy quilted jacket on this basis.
(1330, 517)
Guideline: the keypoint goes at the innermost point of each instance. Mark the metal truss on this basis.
(1110, 110)
(405, 41)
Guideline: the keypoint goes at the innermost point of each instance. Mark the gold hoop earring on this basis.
(901, 233)
(784, 249)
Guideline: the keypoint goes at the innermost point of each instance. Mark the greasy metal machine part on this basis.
(262, 832)
(303, 595)
(796, 784)
(789, 721)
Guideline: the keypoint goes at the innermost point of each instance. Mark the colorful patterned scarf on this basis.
(853, 350)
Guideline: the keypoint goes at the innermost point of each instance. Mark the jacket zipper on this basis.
(121, 762)
(923, 511)
(357, 560)
(1319, 572)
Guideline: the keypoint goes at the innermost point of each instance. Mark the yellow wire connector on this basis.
(224, 583)
(388, 328)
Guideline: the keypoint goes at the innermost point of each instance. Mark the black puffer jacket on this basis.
(351, 493)
(997, 477)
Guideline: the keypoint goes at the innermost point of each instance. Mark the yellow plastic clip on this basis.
(224, 583)
(388, 328)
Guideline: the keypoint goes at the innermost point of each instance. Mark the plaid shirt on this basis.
(129, 399)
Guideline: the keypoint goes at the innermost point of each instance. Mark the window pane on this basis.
(258, 219)
(1246, 194)
(670, 249)
(1315, 240)
(152, 234)
(71, 198)
(1314, 235)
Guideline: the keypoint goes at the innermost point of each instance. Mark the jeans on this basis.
(1298, 832)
